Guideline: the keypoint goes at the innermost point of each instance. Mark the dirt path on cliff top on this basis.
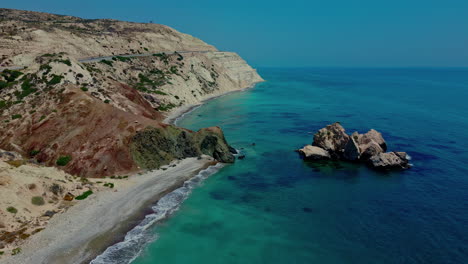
(89, 227)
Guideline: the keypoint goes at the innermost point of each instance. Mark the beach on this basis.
(89, 227)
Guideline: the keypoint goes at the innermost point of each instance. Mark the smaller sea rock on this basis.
(314, 153)
(372, 135)
(232, 150)
(389, 161)
(241, 157)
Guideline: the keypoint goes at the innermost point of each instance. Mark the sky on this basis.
(298, 33)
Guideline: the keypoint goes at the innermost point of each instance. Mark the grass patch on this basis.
(84, 89)
(67, 62)
(106, 101)
(108, 62)
(109, 184)
(84, 195)
(12, 210)
(10, 75)
(17, 116)
(166, 107)
(16, 251)
(37, 200)
(63, 160)
(122, 59)
(55, 79)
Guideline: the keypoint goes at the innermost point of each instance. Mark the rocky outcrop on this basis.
(154, 147)
(331, 138)
(89, 112)
(390, 160)
(332, 142)
(314, 153)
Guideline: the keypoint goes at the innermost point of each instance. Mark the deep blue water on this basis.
(273, 207)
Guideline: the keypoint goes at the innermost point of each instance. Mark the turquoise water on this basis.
(274, 208)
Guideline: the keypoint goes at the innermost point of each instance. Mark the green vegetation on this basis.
(106, 101)
(37, 200)
(166, 107)
(84, 195)
(26, 87)
(122, 59)
(17, 116)
(46, 67)
(84, 89)
(33, 153)
(63, 160)
(67, 62)
(10, 75)
(176, 97)
(159, 92)
(1, 253)
(42, 118)
(109, 184)
(55, 79)
(174, 70)
(12, 210)
(16, 251)
(108, 62)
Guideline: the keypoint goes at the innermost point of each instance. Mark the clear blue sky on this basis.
(349, 33)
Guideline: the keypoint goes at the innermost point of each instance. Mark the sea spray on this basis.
(127, 250)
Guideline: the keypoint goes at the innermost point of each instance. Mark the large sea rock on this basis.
(332, 138)
(332, 142)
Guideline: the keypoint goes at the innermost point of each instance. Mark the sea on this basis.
(273, 207)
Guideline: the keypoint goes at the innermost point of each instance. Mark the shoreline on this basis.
(82, 243)
(88, 228)
(173, 116)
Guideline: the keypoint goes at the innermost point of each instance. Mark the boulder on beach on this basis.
(389, 161)
(314, 153)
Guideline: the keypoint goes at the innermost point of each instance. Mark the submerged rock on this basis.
(314, 153)
(332, 142)
(389, 161)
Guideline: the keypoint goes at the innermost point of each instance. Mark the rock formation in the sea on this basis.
(332, 143)
(66, 105)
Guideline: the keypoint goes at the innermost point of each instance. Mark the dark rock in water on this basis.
(232, 150)
(307, 209)
(332, 142)
(314, 153)
(389, 161)
(332, 138)
(253, 144)
(241, 157)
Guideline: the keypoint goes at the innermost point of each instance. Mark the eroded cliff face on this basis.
(93, 111)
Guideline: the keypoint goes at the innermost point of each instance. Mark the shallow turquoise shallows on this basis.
(273, 207)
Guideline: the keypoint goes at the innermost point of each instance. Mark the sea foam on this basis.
(130, 248)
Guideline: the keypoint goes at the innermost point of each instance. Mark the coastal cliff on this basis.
(58, 102)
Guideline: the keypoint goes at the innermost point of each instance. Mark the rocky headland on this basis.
(333, 143)
(90, 97)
